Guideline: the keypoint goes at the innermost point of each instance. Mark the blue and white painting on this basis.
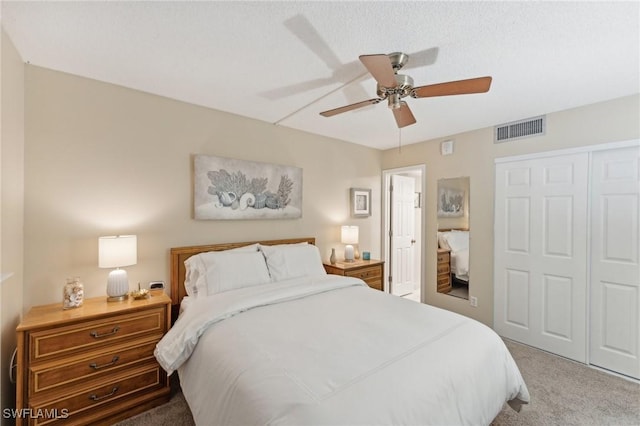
(231, 189)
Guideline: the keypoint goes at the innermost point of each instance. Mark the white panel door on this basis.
(540, 271)
(615, 270)
(402, 235)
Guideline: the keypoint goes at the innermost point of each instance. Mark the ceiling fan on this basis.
(393, 87)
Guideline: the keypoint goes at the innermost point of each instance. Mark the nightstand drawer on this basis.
(443, 257)
(78, 407)
(444, 283)
(443, 268)
(49, 376)
(86, 336)
(365, 273)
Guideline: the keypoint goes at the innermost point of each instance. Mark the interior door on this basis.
(540, 253)
(615, 271)
(402, 235)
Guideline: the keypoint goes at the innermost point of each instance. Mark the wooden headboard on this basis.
(180, 254)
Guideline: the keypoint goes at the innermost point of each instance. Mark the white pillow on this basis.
(458, 240)
(286, 261)
(442, 241)
(196, 268)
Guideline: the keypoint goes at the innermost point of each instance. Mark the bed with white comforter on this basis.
(328, 350)
(457, 242)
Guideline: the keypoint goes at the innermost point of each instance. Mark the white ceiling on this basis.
(284, 62)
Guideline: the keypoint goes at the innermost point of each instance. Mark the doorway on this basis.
(403, 224)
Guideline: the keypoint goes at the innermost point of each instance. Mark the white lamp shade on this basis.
(349, 234)
(117, 251)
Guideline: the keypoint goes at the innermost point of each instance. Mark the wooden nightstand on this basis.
(93, 364)
(370, 271)
(444, 271)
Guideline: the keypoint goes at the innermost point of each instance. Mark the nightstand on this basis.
(444, 271)
(93, 364)
(370, 271)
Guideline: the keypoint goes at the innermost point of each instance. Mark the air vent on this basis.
(520, 129)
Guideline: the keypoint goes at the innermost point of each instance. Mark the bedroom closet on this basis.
(566, 256)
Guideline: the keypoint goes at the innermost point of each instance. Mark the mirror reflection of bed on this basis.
(453, 237)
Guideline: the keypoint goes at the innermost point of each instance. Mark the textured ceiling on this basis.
(284, 62)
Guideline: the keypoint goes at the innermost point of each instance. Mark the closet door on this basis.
(540, 253)
(615, 271)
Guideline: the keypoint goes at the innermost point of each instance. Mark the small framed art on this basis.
(360, 202)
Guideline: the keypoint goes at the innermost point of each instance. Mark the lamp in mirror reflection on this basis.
(349, 237)
(117, 252)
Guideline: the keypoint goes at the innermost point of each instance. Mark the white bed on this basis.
(328, 350)
(457, 242)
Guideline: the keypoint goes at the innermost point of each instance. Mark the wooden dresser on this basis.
(369, 271)
(444, 271)
(93, 364)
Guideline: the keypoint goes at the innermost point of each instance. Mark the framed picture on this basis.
(360, 202)
(417, 201)
(232, 189)
(450, 202)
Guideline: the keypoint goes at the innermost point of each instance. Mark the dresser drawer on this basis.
(85, 336)
(78, 370)
(76, 407)
(369, 273)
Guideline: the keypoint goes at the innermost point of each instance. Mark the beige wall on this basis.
(474, 154)
(102, 160)
(11, 207)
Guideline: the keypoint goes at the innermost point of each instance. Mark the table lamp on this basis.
(116, 252)
(349, 237)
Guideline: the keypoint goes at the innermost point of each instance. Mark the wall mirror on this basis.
(453, 237)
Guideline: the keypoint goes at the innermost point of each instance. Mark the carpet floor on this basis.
(563, 392)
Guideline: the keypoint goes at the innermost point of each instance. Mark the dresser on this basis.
(93, 364)
(444, 271)
(369, 271)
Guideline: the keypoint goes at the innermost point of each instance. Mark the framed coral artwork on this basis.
(450, 202)
(230, 189)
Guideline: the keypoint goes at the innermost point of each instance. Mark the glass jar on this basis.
(72, 294)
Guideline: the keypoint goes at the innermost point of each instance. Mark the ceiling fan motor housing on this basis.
(404, 86)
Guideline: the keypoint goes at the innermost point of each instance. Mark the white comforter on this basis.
(460, 264)
(328, 351)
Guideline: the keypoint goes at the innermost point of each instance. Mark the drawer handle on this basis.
(95, 397)
(97, 335)
(98, 367)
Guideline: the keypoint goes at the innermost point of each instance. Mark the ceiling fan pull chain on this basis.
(399, 140)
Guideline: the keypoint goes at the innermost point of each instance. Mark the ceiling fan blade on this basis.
(460, 87)
(346, 108)
(380, 68)
(404, 116)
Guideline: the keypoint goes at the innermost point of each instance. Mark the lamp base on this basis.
(348, 253)
(117, 298)
(117, 286)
